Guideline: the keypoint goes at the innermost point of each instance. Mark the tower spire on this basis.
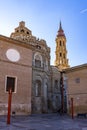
(61, 53)
(60, 31)
(60, 26)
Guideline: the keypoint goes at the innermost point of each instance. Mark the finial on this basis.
(22, 23)
(60, 26)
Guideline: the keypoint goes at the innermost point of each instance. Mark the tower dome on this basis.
(21, 32)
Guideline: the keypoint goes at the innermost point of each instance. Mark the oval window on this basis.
(13, 55)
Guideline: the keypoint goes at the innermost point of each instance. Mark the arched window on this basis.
(27, 32)
(60, 43)
(17, 30)
(38, 60)
(64, 55)
(22, 30)
(60, 54)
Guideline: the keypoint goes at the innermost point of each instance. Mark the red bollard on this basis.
(9, 106)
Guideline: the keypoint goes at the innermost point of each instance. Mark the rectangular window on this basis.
(11, 83)
(77, 80)
(37, 63)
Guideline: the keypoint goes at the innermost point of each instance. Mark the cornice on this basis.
(75, 68)
(16, 42)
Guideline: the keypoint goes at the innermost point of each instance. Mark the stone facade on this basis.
(56, 90)
(76, 80)
(41, 77)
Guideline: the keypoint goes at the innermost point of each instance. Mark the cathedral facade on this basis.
(25, 64)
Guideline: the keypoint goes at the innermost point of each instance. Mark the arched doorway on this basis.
(37, 99)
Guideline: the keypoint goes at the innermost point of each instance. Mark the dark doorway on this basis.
(10, 83)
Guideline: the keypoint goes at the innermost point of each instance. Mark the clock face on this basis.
(13, 55)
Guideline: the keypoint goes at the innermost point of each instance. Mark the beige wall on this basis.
(77, 89)
(22, 70)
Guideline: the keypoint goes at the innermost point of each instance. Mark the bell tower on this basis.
(61, 60)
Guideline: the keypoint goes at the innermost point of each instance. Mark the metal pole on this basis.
(72, 109)
(9, 106)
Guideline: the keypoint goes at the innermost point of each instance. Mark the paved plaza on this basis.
(43, 122)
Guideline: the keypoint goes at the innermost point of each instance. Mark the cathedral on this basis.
(25, 69)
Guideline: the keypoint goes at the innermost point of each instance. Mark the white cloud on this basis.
(83, 11)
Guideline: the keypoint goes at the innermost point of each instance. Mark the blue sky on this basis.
(42, 17)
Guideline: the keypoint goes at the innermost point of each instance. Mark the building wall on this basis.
(22, 70)
(77, 89)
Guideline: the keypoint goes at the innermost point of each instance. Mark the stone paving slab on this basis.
(43, 122)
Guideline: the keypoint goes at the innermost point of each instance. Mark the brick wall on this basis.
(77, 89)
(22, 70)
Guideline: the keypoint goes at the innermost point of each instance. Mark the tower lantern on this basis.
(61, 60)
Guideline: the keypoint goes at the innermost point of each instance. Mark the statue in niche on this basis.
(56, 85)
(38, 88)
